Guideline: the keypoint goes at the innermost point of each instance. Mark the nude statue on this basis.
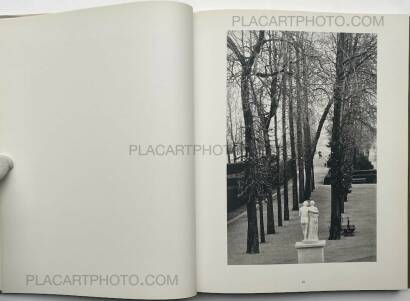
(313, 227)
(304, 219)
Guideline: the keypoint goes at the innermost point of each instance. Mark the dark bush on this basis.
(361, 162)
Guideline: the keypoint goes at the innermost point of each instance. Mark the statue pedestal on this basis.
(311, 251)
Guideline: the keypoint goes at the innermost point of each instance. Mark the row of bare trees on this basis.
(281, 89)
(354, 117)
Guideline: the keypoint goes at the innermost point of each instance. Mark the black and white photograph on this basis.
(301, 129)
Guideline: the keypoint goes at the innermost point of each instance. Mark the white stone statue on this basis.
(311, 249)
(304, 219)
(313, 227)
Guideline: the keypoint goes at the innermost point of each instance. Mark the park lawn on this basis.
(279, 248)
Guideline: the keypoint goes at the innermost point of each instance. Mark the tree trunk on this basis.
(319, 127)
(227, 153)
(231, 134)
(252, 245)
(306, 129)
(284, 152)
(278, 182)
(308, 164)
(250, 165)
(270, 226)
(336, 147)
(313, 177)
(299, 130)
(293, 162)
(261, 223)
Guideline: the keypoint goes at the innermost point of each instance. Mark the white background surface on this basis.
(12, 7)
(348, 6)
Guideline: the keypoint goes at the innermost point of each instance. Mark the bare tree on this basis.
(299, 121)
(306, 125)
(353, 95)
(250, 190)
(293, 161)
(284, 142)
(336, 145)
(278, 181)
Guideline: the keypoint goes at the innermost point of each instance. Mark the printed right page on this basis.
(301, 184)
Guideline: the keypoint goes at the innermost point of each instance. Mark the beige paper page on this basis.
(247, 273)
(79, 214)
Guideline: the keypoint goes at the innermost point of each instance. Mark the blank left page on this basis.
(79, 91)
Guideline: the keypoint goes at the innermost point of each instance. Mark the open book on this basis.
(159, 152)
